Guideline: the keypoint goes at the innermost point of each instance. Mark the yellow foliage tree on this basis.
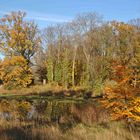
(18, 37)
(125, 41)
(19, 41)
(14, 72)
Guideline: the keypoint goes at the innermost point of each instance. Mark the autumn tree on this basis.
(121, 98)
(125, 41)
(15, 72)
(18, 38)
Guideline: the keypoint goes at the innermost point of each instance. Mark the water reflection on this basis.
(55, 111)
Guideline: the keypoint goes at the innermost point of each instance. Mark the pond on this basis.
(55, 111)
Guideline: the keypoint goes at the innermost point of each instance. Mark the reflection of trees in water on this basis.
(59, 109)
(43, 111)
(85, 113)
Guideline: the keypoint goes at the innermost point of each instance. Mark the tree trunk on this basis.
(73, 67)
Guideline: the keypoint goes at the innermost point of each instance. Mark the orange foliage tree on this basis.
(122, 99)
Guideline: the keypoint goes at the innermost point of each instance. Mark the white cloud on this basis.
(41, 16)
(48, 18)
(3, 12)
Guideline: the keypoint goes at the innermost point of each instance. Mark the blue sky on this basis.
(46, 12)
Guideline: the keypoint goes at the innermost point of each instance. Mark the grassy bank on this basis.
(22, 131)
(42, 91)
